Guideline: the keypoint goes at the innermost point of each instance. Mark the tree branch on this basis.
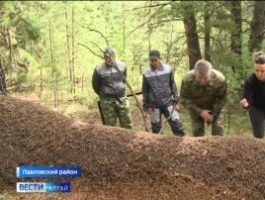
(122, 75)
(95, 44)
(150, 18)
(156, 24)
(95, 54)
(132, 92)
(149, 6)
(101, 34)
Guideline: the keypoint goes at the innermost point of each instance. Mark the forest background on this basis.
(48, 48)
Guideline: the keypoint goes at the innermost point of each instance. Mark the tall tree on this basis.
(53, 66)
(192, 38)
(236, 34)
(257, 27)
(150, 31)
(2, 78)
(123, 26)
(73, 46)
(68, 46)
(16, 36)
(207, 32)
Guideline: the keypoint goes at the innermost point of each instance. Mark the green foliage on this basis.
(132, 28)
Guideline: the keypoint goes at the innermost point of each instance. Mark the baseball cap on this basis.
(155, 54)
(109, 52)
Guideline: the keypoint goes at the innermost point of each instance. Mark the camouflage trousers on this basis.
(198, 125)
(113, 110)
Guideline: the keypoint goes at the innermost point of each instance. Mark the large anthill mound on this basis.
(121, 164)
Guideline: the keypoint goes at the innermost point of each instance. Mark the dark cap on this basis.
(109, 52)
(154, 54)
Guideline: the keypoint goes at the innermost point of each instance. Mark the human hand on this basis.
(244, 103)
(146, 114)
(176, 107)
(205, 114)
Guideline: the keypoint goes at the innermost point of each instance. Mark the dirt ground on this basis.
(123, 164)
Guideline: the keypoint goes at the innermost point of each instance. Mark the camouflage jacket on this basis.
(196, 97)
(108, 83)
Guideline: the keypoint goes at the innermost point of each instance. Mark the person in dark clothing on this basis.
(254, 96)
(110, 86)
(160, 95)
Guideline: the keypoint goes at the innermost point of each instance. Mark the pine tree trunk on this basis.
(123, 26)
(41, 82)
(68, 48)
(149, 28)
(73, 48)
(83, 78)
(192, 38)
(169, 44)
(257, 27)
(207, 33)
(53, 65)
(236, 35)
(2, 78)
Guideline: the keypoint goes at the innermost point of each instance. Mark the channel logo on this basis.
(42, 187)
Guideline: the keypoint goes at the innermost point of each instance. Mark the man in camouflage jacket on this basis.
(203, 93)
(110, 86)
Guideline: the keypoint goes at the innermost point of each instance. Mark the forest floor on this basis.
(123, 164)
(236, 121)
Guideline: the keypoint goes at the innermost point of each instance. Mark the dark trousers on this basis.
(257, 118)
(173, 120)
